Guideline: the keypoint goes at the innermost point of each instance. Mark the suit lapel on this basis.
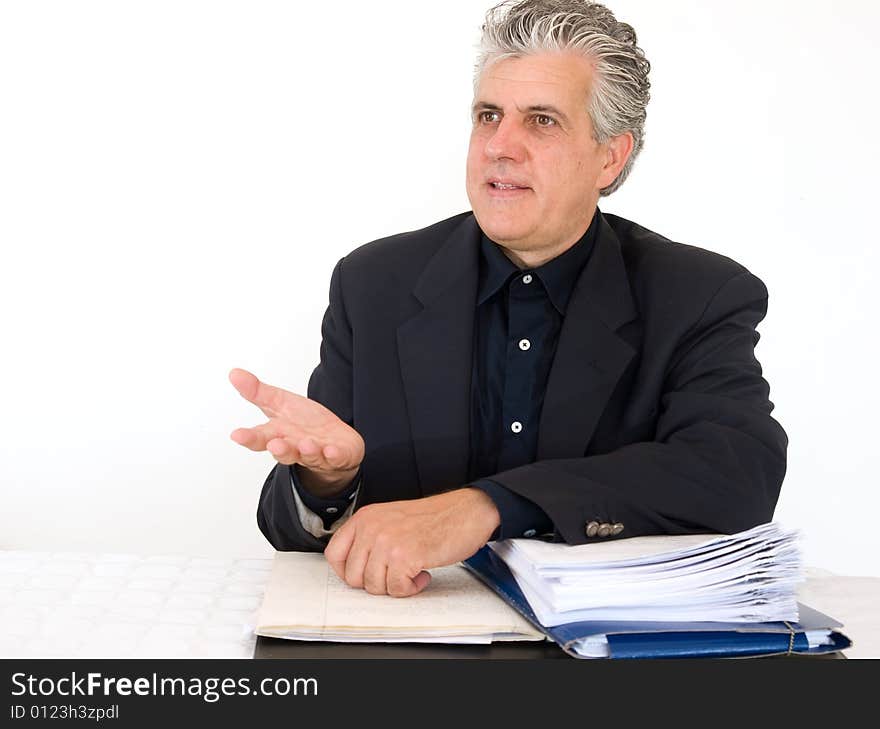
(436, 350)
(590, 357)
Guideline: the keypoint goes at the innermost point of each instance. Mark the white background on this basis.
(177, 180)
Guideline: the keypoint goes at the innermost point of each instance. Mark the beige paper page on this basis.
(304, 594)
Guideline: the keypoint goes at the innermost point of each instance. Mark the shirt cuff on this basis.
(519, 516)
(327, 511)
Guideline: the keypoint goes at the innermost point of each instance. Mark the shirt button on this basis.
(331, 509)
(516, 426)
(524, 344)
(529, 533)
(527, 279)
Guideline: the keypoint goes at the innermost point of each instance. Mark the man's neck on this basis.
(533, 259)
(530, 259)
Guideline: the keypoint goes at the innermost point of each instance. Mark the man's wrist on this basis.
(324, 485)
(520, 517)
(486, 509)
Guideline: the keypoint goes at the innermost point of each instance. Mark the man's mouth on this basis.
(506, 188)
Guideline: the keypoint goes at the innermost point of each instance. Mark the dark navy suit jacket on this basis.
(656, 415)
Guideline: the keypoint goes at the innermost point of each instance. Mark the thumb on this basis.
(422, 580)
(245, 382)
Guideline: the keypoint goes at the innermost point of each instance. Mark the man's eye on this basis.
(542, 120)
(488, 116)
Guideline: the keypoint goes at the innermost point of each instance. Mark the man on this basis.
(534, 367)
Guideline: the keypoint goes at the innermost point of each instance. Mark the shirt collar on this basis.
(558, 275)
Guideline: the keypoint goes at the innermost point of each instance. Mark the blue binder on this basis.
(667, 640)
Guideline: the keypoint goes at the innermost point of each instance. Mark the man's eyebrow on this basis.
(483, 106)
(541, 108)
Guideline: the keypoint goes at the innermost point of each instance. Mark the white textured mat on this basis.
(120, 605)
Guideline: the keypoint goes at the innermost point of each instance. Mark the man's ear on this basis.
(617, 152)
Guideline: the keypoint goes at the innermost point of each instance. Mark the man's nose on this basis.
(507, 141)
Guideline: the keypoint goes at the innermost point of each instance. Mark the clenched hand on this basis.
(387, 548)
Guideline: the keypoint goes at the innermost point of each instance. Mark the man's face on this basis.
(531, 130)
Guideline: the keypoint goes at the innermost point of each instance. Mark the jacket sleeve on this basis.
(330, 385)
(717, 460)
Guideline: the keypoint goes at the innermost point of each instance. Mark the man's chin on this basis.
(506, 239)
(500, 230)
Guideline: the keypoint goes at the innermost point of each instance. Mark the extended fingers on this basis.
(282, 451)
(336, 458)
(269, 438)
(289, 445)
(304, 451)
(248, 386)
(257, 437)
(311, 453)
(270, 399)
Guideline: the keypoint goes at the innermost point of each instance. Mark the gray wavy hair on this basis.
(621, 89)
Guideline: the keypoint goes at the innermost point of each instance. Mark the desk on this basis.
(107, 605)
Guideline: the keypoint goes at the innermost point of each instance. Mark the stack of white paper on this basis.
(746, 577)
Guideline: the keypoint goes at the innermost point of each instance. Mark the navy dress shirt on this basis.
(518, 318)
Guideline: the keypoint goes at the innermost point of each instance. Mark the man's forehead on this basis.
(536, 79)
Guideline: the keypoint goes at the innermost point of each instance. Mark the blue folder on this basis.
(667, 640)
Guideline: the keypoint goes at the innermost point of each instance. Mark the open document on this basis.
(305, 600)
